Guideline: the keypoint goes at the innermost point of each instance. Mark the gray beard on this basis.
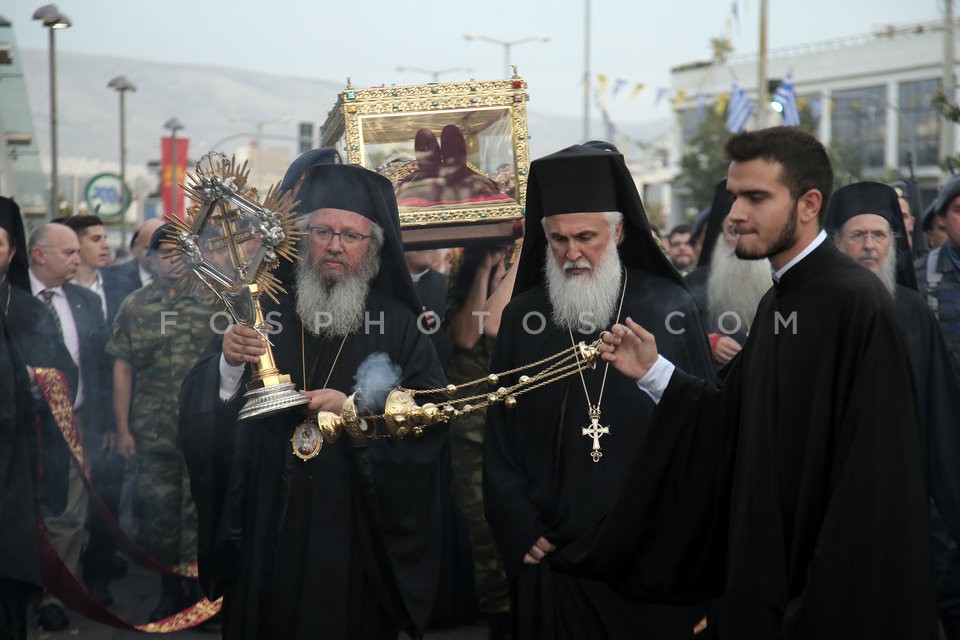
(333, 307)
(735, 286)
(584, 303)
(888, 271)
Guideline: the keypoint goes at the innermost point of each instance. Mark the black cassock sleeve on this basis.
(401, 481)
(514, 518)
(207, 434)
(665, 538)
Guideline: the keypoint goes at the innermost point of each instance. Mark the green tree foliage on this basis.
(704, 164)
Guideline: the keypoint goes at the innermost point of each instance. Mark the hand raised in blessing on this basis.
(630, 348)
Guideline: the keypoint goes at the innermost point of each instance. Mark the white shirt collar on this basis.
(416, 276)
(36, 286)
(800, 256)
(145, 276)
(98, 282)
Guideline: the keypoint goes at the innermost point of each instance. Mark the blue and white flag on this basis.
(661, 94)
(701, 102)
(739, 109)
(787, 97)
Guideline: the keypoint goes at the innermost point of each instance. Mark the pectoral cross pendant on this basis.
(595, 431)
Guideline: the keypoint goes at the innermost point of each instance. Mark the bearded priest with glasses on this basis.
(304, 539)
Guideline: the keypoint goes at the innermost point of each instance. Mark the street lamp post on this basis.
(122, 86)
(258, 137)
(506, 44)
(51, 18)
(434, 73)
(174, 125)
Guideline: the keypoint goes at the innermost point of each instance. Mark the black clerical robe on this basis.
(938, 400)
(796, 490)
(20, 574)
(34, 332)
(343, 545)
(539, 478)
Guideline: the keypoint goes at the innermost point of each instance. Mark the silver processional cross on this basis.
(595, 431)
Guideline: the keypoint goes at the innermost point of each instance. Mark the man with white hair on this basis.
(866, 224)
(302, 541)
(554, 464)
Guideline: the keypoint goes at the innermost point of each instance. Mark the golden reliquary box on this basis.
(456, 153)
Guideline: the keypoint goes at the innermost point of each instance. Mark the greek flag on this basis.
(786, 96)
(739, 108)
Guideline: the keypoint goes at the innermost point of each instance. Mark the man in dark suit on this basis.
(54, 253)
(33, 342)
(131, 275)
(100, 562)
(110, 285)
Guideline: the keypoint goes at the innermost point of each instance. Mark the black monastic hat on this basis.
(308, 160)
(881, 200)
(12, 222)
(353, 188)
(581, 179)
(718, 212)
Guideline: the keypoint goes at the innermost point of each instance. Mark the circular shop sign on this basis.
(107, 196)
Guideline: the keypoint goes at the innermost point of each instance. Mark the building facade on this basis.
(867, 97)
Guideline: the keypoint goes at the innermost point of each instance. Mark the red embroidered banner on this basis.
(173, 176)
(57, 577)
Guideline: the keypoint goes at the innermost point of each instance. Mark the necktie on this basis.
(47, 296)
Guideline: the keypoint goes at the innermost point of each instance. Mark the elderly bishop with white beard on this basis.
(554, 464)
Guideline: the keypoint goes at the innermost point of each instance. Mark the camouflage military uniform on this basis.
(161, 332)
(466, 443)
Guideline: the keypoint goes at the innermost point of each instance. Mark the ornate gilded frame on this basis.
(366, 123)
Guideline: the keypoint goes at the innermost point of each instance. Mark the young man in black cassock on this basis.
(795, 490)
(550, 471)
(344, 544)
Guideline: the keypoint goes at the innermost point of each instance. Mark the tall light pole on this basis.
(762, 67)
(122, 86)
(50, 17)
(586, 71)
(258, 138)
(949, 77)
(434, 73)
(507, 45)
(174, 125)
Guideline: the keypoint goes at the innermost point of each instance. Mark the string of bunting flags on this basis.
(737, 105)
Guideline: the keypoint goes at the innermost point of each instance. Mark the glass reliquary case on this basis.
(457, 154)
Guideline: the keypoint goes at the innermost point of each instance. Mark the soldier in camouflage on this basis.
(158, 334)
(479, 273)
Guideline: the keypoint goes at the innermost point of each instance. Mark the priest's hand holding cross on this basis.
(630, 348)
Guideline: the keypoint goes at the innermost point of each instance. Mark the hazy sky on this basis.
(637, 40)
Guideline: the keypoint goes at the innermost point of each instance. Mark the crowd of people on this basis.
(767, 447)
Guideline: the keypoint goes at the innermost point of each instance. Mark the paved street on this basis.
(136, 594)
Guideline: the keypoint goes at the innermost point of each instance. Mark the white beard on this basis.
(888, 271)
(333, 307)
(735, 286)
(584, 303)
